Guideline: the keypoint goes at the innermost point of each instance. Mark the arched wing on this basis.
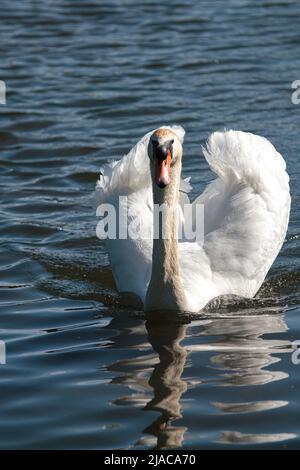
(246, 212)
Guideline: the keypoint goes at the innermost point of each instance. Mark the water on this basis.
(85, 80)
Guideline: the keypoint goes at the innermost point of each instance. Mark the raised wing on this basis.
(246, 212)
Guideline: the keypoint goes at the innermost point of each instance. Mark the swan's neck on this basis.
(165, 289)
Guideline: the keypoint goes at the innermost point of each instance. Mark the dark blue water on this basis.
(85, 80)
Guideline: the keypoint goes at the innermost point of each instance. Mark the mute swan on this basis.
(246, 213)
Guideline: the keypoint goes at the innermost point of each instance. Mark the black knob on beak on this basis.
(161, 151)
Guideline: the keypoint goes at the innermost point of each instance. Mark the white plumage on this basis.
(246, 212)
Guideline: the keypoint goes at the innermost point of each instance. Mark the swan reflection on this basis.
(234, 352)
(166, 381)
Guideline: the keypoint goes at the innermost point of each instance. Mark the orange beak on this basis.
(162, 170)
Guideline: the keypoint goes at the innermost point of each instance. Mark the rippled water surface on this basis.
(84, 81)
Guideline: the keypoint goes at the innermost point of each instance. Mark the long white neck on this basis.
(165, 291)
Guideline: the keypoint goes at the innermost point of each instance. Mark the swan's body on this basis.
(246, 212)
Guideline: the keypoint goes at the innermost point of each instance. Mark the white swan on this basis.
(246, 213)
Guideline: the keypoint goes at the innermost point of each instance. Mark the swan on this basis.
(246, 213)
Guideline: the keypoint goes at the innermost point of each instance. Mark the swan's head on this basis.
(165, 151)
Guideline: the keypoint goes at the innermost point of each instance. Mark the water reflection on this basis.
(166, 381)
(242, 351)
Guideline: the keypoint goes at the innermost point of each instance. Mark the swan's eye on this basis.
(171, 145)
